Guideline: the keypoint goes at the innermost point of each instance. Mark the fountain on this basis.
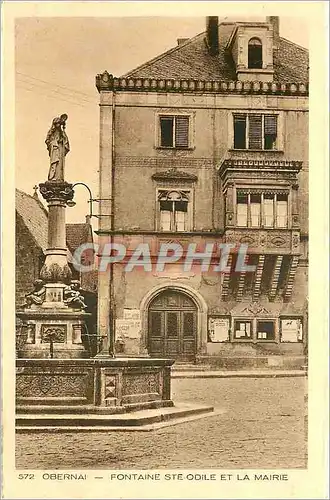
(58, 383)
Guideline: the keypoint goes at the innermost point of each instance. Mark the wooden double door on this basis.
(172, 328)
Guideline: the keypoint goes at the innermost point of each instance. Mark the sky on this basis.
(56, 61)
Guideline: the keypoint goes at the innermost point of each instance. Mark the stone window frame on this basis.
(190, 211)
(255, 39)
(262, 191)
(175, 113)
(248, 112)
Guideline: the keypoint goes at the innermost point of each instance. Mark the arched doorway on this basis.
(172, 326)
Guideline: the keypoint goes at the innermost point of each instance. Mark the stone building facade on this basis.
(208, 144)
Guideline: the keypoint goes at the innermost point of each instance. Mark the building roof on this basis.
(192, 60)
(34, 216)
(77, 234)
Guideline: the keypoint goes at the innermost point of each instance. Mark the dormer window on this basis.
(255, 53)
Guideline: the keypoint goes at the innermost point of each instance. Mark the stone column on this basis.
(56, 272)
(295, 208)
(230, 213)
(105, 218)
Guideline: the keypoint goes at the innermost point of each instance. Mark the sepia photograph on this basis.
(162, 215)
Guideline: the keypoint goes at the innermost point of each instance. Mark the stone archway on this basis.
(174, 322)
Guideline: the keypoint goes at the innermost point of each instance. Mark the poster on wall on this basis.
(291, 330)
(218, 329)
(131, 314)
(128, 328)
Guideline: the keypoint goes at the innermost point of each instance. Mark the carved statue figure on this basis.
(73, 297)
(58, 146)
(37, 296)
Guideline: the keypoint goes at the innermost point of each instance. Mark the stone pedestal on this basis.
(53, 321)
(53, 333)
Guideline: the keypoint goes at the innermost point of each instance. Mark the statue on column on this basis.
(58, 146)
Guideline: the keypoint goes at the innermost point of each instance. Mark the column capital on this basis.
(56, 191)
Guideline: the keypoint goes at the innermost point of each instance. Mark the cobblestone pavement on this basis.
(262, 427)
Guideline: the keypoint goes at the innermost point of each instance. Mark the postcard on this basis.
(165, 234)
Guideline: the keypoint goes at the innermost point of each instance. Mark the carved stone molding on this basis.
(51, 385)
(107, 82)
(255, 308)
(260, 238)
(55, 273)
(174, 174)
(56, 333)
(110, 387)
(232, 168)
(56, 191)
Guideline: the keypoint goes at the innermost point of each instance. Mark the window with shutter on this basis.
(174, 131)
(255, 132)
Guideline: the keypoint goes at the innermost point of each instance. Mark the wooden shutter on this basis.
(270, 125)
(255, 132)
(182, 131)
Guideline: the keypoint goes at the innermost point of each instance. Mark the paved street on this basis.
(262, 427)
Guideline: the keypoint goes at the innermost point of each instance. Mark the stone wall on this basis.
(29, 258)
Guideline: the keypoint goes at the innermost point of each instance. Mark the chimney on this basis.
(182, 40)
(275, 21)
(212, 34)
(88, 219)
